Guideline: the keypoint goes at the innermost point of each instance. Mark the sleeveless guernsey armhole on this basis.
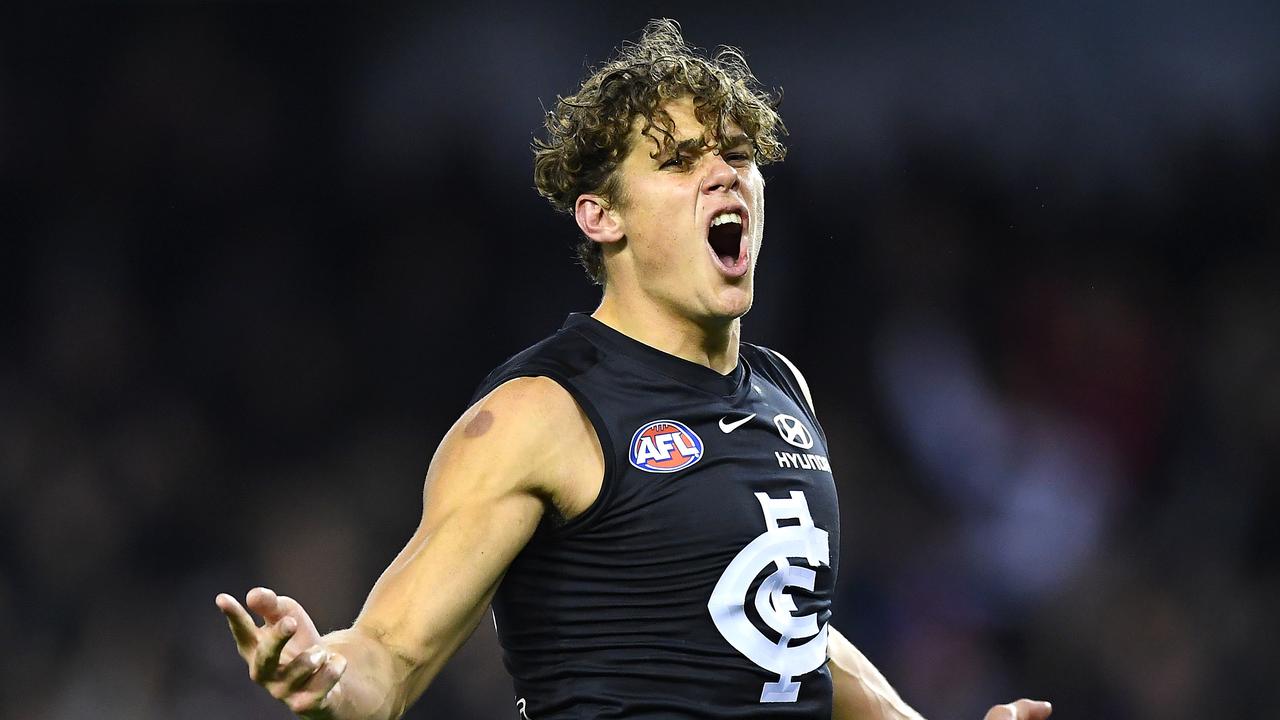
(602, 436)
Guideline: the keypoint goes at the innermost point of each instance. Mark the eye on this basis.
(675, 161)
(737, 157)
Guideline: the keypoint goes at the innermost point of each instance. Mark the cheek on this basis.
(657, 246)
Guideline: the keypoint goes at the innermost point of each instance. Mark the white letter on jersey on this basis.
(772, 602)
(648, 451)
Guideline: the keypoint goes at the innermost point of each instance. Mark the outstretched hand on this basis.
(286, 655)
(1020, 710)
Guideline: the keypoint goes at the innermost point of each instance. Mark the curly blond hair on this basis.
(589, 132)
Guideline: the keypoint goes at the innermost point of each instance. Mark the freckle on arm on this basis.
(478, 425)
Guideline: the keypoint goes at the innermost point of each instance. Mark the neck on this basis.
(711, 343)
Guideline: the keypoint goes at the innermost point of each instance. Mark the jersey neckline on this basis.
(687, 372)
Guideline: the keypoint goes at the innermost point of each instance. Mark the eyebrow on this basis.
(691, 145)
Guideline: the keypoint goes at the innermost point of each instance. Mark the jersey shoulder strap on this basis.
(782, 372)
(796, 375)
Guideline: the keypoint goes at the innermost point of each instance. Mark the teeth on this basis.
(729, 217)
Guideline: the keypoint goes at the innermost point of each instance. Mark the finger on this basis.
(265, 602)
(243, 628)
(1001, 712)
(319, 688)
(267, 655)
(307, 634)
(1033, 709)
(1021, 710)
(299, 671)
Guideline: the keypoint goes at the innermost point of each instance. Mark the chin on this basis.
(732, 304)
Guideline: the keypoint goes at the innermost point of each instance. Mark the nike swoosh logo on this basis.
(728, 427)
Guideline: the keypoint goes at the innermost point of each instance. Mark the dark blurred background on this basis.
(254, 258)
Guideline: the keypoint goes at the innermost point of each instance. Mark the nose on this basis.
(721, 176)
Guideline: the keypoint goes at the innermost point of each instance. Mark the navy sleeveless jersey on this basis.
(699, 584)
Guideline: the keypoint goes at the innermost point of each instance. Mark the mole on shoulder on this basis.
(479, 424)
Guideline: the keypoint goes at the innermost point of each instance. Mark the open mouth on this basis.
(725, 240)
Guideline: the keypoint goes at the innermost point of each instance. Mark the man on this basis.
(644, 499)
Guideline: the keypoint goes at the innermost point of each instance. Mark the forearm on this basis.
(860, 691)
(375, 684)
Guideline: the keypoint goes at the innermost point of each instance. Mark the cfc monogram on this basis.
(772, 602)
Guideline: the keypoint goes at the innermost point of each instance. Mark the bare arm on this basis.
(860, 691)
(484, 495)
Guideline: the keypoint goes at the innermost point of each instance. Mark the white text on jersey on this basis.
(805, 461)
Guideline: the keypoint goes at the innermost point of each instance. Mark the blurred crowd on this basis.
(254, 258)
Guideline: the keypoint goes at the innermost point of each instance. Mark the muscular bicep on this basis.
(484, 495)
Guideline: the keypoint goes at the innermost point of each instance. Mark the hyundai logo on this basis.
(793, 431)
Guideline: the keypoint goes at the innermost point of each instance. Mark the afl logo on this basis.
(665, 446)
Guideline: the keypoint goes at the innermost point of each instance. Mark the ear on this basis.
(597, 220)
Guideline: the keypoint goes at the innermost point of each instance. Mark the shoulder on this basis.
(783, 367)
(533, 418)
(527, 406)
(530, 435)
